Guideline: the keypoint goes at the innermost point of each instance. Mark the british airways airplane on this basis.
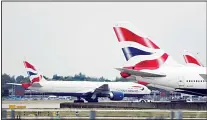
(190, 60)
(90, 91)
(153, 65)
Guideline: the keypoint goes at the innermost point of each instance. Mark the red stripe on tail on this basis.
(127, 35)
(28, 65)
(37, 79)
(150, 64)
(190, 59)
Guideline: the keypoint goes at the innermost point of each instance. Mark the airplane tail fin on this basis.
(190, 59)
(139, 49)
(34, 76)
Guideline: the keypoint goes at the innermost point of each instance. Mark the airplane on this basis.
(191, 60)
(90, 91)
(150, 64)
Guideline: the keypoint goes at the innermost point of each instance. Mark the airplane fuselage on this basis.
(80, 88)
(189, 79)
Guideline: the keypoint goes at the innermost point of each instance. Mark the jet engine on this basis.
(116, 95)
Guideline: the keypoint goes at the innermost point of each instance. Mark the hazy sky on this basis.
(67, 37)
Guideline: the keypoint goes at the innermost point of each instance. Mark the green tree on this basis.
(5, 78)
(68, 78)
(26, 79)
(20, 79)
(102, 79)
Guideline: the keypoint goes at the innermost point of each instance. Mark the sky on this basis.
(66, 38)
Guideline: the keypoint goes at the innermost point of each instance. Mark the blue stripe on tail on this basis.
(31, 73)
(130, 52)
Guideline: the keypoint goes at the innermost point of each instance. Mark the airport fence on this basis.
(100, 114)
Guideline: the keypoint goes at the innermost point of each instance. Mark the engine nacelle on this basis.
(116, 96)
(124, 75)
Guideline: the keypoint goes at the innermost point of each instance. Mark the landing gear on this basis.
(142, 101)
(93, 100)
(89, 99)
(79, 100)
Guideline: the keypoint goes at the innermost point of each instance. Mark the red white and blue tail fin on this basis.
(34, 76)
(140, 50)
(190, 59)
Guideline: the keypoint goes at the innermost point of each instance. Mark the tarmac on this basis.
(34, 104)
(56, 104)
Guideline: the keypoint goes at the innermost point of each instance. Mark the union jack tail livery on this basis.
(33, 74)
(140, 50)
(190, 59)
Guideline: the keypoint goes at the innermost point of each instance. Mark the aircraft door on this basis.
(181, 83)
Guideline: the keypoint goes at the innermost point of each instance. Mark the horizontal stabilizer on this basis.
(33, 85)
(13, 84)
(141, 73)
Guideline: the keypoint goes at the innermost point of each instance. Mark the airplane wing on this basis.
(102, 89)
(141, 73)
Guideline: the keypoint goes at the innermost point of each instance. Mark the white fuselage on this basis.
(180, 78)
(82, 87)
